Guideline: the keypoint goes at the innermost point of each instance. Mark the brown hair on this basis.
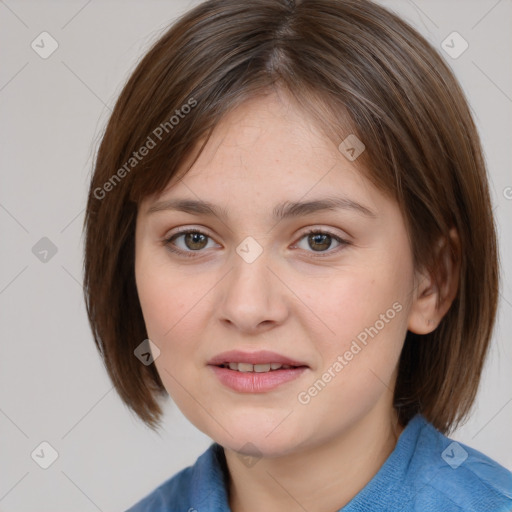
(356, 68)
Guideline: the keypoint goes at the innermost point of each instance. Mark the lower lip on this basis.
(254, 382)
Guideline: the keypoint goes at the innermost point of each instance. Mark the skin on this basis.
(291, 300)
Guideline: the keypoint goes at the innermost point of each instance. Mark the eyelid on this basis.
(188, 229)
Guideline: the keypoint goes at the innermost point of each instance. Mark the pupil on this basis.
(196, 239)
(320, 239)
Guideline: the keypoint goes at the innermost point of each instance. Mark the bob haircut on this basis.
(356, 68)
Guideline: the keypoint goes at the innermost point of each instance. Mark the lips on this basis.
(256, 372)
(261, 357)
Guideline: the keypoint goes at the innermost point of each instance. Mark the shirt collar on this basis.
(210, 476)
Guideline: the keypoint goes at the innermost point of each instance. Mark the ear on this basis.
(433, 297)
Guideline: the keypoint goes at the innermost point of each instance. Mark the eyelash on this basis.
(190, 254)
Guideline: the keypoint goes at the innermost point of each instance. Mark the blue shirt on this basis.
(426, 472)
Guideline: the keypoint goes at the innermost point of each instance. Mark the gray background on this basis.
(53, 386)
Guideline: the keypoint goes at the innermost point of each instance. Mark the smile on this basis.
(258, 368)
(258, 378)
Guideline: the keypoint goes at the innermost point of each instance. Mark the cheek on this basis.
(353, 300)
(365, 311)
(176, 303)
(357, 365)
(167, 300)
(168, 309)
(165, 293)
(160, 304)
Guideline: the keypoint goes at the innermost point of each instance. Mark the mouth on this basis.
(257, 368)
(256, 372)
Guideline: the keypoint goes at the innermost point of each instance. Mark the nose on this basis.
(253, 299)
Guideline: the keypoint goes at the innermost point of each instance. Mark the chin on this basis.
(256, 440)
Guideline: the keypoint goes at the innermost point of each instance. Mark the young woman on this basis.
(289, 231)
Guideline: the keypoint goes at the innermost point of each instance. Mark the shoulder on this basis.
(451, 476)
(200, 485)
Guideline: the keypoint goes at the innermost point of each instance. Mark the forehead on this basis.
(268, 148)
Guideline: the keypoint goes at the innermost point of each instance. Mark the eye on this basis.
(320, 240)
(192, 240)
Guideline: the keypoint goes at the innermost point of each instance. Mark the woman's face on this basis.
(251, 279)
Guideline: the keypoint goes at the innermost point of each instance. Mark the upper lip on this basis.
(260, 357)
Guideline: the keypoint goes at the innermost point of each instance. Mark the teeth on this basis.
(245, 367)
(262, 368)
(257, 368)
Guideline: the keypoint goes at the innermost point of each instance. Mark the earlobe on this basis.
(434, 294)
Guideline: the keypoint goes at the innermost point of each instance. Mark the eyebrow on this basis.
(285, 210)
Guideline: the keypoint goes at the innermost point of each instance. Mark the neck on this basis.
(323, 477)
